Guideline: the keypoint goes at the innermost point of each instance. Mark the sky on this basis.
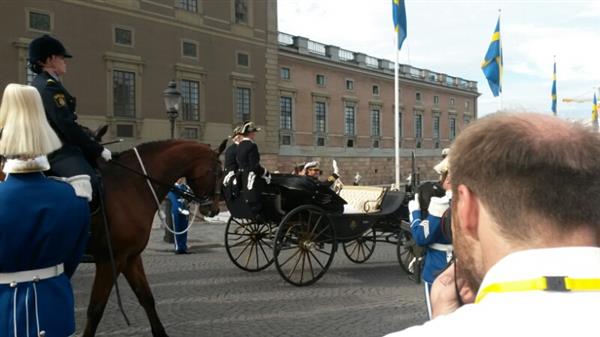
(452, 36)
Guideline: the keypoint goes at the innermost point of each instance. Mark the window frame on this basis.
(183, 89)
(196, 49)
(132, 91)
(237, 90)
(30, 10)
(114, 35)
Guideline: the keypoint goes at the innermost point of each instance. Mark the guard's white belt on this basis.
(442, 247)
(31, 275)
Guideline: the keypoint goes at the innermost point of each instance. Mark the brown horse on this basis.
(130, 209)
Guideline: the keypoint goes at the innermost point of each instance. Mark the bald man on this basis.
(526, 231)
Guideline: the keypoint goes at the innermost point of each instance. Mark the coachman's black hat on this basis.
(45, 46)
(249, 127)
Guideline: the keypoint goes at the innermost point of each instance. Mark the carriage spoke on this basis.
(312, 272)
(260, 244)
(237, 244)
(249, 255)
(290, 257)
(354, 248)
(302, 269)
(243, 250)
(295, 265)
(317, 259)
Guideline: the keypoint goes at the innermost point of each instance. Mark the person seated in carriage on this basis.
(430, 229)
(313, 170)
(254, 176)
(231, 183)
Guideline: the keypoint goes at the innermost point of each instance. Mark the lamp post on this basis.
(172, 101)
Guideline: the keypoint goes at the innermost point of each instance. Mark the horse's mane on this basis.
(128, 157)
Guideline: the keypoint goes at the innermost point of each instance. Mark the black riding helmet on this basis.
(43, 47)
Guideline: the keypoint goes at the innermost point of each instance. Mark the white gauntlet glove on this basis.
(336, 170)
(267, 177)
(106, 155)
(413, 205)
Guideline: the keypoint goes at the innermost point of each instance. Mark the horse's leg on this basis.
(134, 272)
(103, 283)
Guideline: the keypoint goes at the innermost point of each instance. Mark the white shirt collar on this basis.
(37, 164)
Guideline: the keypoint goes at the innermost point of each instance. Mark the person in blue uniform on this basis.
(432, 232)
(79, 151)
(231, 183)
(180, 213)
(43, 223)
(254, 176)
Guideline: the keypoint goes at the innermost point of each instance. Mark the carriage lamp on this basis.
(172, 101)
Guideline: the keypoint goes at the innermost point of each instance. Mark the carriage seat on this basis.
(363, 199)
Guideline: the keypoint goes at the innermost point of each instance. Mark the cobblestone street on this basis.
(204, 294)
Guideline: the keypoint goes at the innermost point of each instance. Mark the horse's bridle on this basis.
(216, 173)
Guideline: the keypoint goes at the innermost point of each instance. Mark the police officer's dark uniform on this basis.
(79, 151)
(232, 178)
(254, 176)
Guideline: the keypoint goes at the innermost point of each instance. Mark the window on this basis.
(320, 115)
(241, 11)
(375, 123)
(189, 49)
(286, 140)
(320, 80)
(190, 93)
(436, 127)
(399, 126)
(350, 142)
(451, 101)
(375, 90)
(243, 60)
(418, 97)
(123, 93)
(40, 21)
(187, 5)
(30, 75)
(125, 130)
(466, 120)
(285, 104)
(452, 124)
(285, 73)
(242, 104)
(349, 117)
(436, 100)
(123, 36)
(320, 141)
(349, 85)
(189, 133)
(467, 104)
(376, 143)
(418, 126)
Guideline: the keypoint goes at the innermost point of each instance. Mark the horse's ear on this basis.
(222, 147)
(101, 131)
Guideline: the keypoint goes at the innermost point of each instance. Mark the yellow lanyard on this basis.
(548, 283)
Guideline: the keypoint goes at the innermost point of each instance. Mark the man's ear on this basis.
(468, 212)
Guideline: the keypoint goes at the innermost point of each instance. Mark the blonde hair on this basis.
(25, 129)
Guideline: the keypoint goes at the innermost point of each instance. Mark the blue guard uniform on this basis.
(429, 233)
(180, 215)
(43, 227)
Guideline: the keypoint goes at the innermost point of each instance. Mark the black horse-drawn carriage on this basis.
(303, 221)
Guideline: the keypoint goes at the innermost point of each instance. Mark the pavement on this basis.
(204, 294)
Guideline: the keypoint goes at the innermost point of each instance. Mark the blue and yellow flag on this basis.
(554, 90)
(492, 63)
(399, 12)
(595, 113)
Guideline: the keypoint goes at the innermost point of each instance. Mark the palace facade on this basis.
(313, 101)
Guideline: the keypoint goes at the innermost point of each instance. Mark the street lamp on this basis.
(172, 101)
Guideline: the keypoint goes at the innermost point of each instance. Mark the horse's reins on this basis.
(150, 180)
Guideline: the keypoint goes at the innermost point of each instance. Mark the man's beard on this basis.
(466, 268)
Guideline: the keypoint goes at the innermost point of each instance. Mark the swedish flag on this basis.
(554, 90)
(595, 113)
(399, 13)
(492, 63)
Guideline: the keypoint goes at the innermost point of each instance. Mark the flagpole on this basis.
(396, 116)
(502, 58)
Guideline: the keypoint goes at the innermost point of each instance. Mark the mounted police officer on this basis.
(180, 213)
(432, 231)
(254, 176)
(231, 181)
(43, 223)
(79, 151)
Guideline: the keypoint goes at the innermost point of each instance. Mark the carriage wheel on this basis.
(304, 246)
(361, 249)
(405, 249)
(249, 244)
